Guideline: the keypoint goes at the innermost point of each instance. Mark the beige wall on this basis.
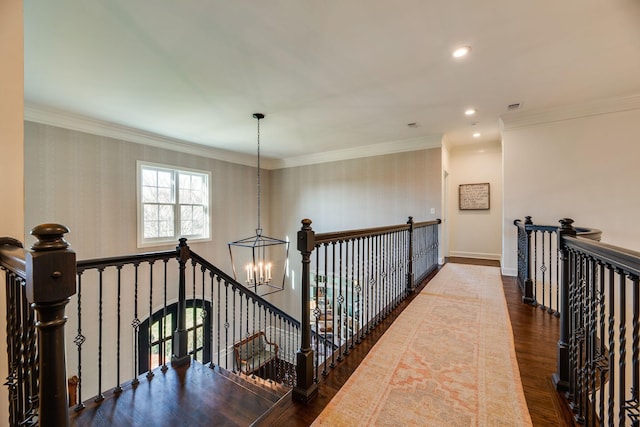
(584, 168)
(88, 183)
(476, 233)
(11, 161)
(352, 194)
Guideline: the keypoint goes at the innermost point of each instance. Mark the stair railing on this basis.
(213, 313)
(114, 310)
(39, 283)
(538, 263)
(351, 280)
(595, 290)
(599, 346)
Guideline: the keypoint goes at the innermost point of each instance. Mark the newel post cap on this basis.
(50, 266)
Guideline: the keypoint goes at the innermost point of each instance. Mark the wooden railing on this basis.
(119, 300)
(114, 315)
(351, 280)
(598, 366)
(213, 313)
(538, 263)
(39, 283)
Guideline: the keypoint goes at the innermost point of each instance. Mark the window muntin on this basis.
(173, 203)
(164, 323)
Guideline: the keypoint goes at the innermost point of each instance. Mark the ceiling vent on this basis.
(513, 107)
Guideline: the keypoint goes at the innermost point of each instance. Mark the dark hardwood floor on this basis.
(535, 335)
(206, 397)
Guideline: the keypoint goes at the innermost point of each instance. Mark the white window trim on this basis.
(146, 243)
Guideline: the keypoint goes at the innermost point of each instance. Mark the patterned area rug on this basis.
(448, 360)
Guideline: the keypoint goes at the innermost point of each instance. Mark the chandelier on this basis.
(263, 257)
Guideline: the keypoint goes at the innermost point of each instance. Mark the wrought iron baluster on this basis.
(194, 322)
(338, 316)
(535, 265)
(325, 341)
(632, 404)
(79, 340)
(253, 318)
(118, 388)
(622, 363)
(358, 289)
(557, 313)
(214, 348)
(612, 353)
(100, 396)
(226, 326)
(353, 295)
(550, 310)
(135, 323)
(601, 361)
(162, 326)
(543, 269)
(150, 339)
(333, 304)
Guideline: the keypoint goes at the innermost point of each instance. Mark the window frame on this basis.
(167, 342)
(143, 242)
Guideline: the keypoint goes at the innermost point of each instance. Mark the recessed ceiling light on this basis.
(469, 112)
(461, 51)
(476, 135)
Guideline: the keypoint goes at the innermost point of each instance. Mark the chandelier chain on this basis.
(259, 229)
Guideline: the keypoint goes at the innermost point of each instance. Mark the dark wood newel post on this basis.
(410, 279)
(528, 297)
(561, 377)
(306, 388)
(179, 355)
(51, 280)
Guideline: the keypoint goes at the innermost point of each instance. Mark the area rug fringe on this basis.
(448, 360)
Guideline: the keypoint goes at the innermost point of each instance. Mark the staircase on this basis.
(194, 395)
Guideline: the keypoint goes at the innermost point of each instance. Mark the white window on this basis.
(172, 203)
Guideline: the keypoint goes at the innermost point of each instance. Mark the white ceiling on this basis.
(329, 75)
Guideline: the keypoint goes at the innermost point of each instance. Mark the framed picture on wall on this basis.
(473, 196)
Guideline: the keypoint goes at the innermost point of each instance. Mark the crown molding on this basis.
(63, 119)
(413, 144)
(71, 121)
(515, 120)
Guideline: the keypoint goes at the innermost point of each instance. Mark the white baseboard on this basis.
(509, 271)
(479, 255)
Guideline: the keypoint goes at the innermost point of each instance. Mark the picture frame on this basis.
(474, 196)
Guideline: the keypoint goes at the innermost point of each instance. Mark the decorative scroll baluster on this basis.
(135, 323)
(150, 323)
(612, 347)
(622, 342)
(359, 281)
(353, 319)
(602, 362)
(78, 341)
(337, 315)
